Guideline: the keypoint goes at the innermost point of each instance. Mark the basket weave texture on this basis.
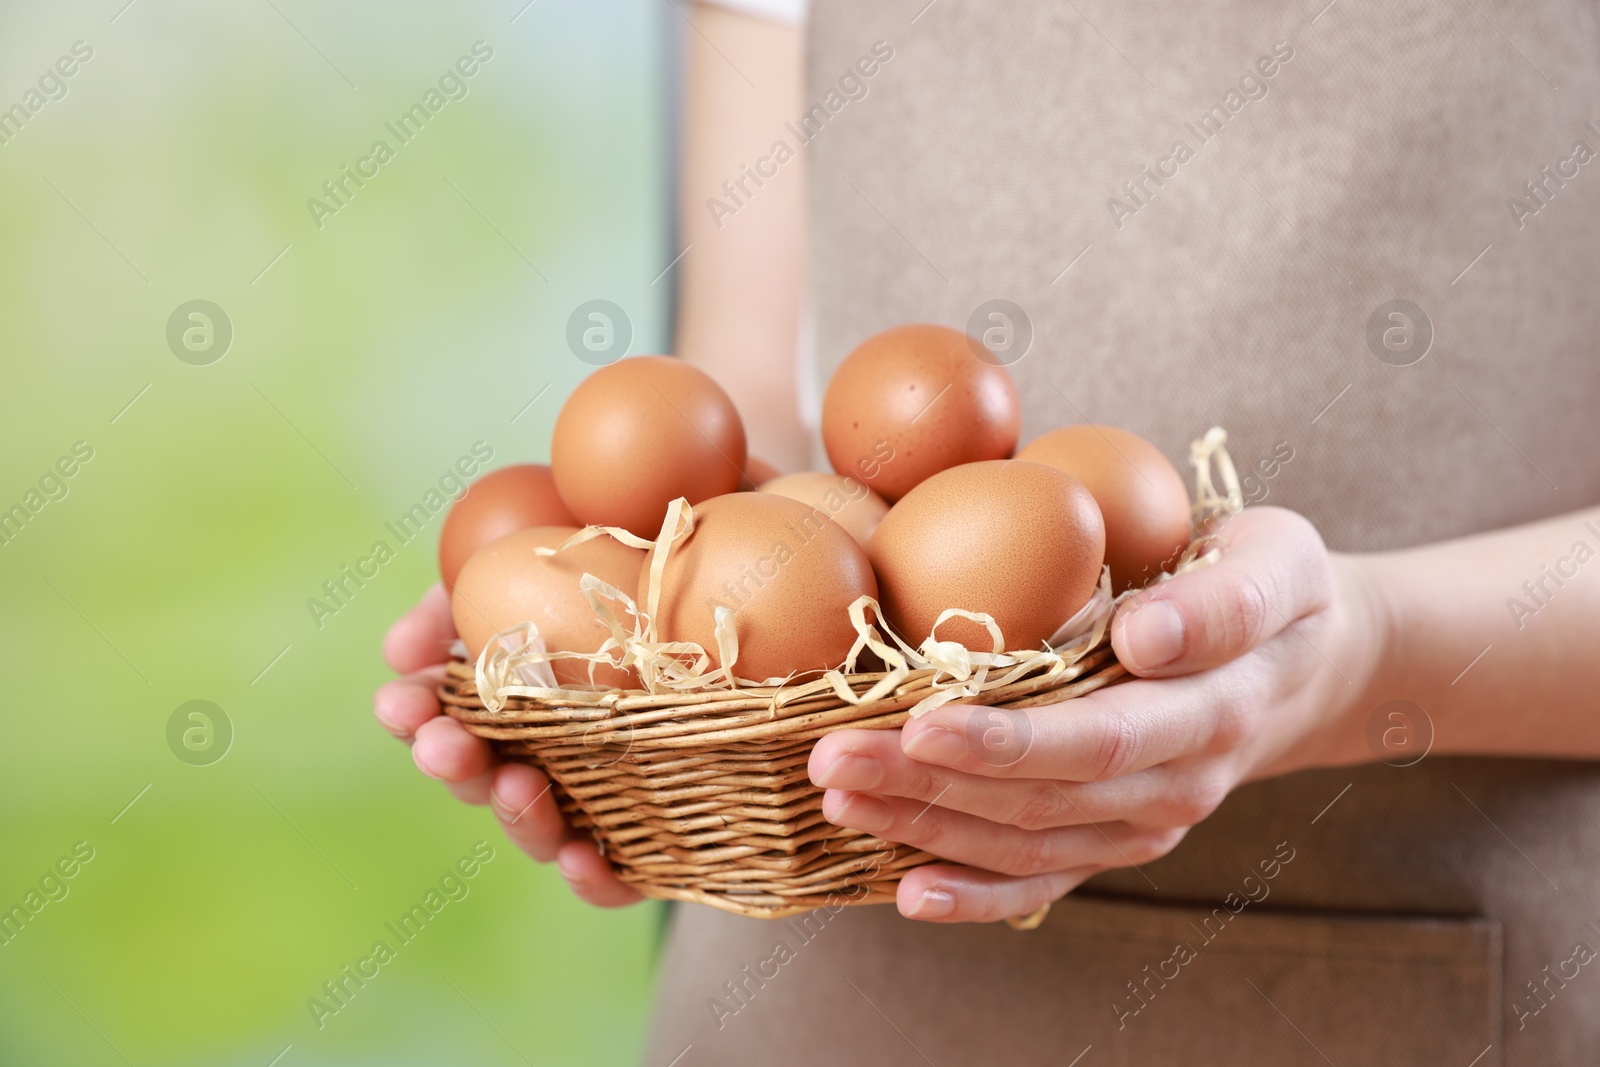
(704, 796)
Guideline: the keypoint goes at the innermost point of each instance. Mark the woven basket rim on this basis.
(714, 718)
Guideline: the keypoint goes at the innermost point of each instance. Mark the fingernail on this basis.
(867, 814)
(381, 711)
(937, 744)
(383, 707)
(932, 904)
(851, 771)
(416, 757)
(567, 870)
(1153, 635)
(503, 811)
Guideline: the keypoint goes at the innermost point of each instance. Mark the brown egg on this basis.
(1020, 541)
(756, 471)
(844, 500)
(640, 433)
(913, 401)
(1141, 495)
(507, 582)
(788, 574)
(501, 502)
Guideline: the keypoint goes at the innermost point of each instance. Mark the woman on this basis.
(1346, 812)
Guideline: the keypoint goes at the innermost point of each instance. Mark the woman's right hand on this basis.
(417, 647)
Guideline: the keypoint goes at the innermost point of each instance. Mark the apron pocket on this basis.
(1196, 985)
(1105, 982)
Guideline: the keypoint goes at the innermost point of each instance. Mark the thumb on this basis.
(1273, 570)
(422, 636)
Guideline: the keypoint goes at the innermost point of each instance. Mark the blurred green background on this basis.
(367, 356)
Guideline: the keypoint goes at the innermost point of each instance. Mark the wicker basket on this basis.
(702, 794)
(704, 797)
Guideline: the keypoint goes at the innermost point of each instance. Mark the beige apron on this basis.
(1332, 162)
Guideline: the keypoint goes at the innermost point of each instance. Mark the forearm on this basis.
(1494, 637)
(743, 279)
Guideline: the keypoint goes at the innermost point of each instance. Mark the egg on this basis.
(1020, 541)
(639, 433)
(1141, 495)
(502, 501)
(788, 574)
(844, 500)
(507, 583)
(756, 471)
(913, 401)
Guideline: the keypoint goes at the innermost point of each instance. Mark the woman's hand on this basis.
(417, 647)
(1258, 664)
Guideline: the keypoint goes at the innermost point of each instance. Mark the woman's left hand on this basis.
(1256, 665)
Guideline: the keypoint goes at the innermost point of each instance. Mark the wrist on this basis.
(1372, 628)
(1360, 666)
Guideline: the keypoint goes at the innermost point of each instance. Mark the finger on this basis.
(976, 842)
(938, 893)
(446, 751)
(1272, 571)
(871, 761)
(592, 878)
(526, 807)
(422, 636)
(1105, 734)
(404, 704)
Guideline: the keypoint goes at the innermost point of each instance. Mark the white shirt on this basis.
(790, 12)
